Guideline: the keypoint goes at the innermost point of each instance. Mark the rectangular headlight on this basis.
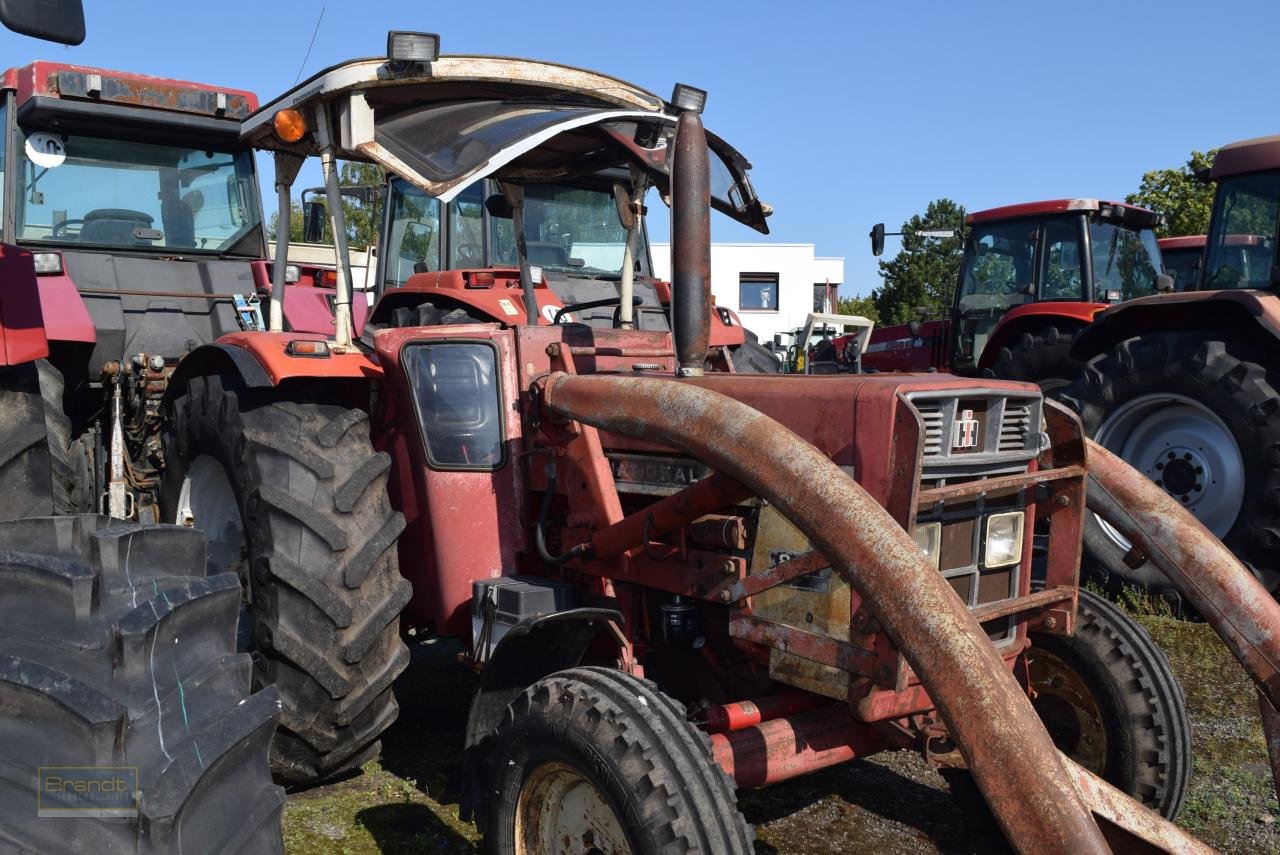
(1003, 543)
(47, 263)
(928, 536)
(413, 47)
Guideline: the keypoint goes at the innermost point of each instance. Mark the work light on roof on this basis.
(413, 47)
(685, 97)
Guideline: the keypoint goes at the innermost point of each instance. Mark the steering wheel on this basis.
(468, 252)
(59, 228)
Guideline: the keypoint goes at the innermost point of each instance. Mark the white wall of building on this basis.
(793, 265)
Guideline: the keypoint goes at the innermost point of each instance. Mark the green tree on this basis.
(363, 219)
(1184, 199)
(864, 306)
(923, 273)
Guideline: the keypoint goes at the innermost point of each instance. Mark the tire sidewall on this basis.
(1171, 363)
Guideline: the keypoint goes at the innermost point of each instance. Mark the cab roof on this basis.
(1050, 206)
(63, 81)
(1255, 155)
(1183, 242)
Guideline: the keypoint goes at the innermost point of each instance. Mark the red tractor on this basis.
(1181, 256)
(1186, 390)
(665, 575)
(130, 719)
(1032, 277)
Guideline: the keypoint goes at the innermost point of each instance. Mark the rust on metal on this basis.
(1131, 818)
(778, 574)
(1016, 605)
(998, 483)
(667, 515)
(691, 244)
(1204, 571)
(1271, 728)
(984, 708)
(794, 745)
(806, 645)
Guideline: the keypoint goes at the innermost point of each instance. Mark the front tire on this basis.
(1111, 703)
(1200, 417)
(294, 499)
(609, 763)
(41, 470)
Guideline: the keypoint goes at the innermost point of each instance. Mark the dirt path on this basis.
(893, 803)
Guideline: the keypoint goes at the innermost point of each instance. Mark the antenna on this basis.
(311, 44)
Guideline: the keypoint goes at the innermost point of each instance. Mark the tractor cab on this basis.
(1240, 251)
(540, 218)
(826, 344)
(1026, 268)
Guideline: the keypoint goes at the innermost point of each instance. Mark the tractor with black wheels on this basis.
(665, 575)
(1031, 278)
(1184, 387)
(134, 234)
(130, 722)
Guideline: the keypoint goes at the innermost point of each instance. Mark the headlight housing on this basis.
(928, 536)
(1002, 545)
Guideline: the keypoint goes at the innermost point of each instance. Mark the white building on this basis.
(772, 286)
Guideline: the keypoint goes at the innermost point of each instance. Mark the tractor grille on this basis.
(976, 431)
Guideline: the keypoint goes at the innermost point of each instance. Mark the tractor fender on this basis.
(1072, 316)
(262, 360)
(22, 331)
(529, 651)
(1246, 316)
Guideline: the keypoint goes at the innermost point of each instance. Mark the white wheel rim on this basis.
(1185, 448)
(209, 501)
(560, 811)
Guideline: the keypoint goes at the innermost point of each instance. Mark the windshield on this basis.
(1125, 262)
(567, 229)
(1181, 264)
(1243, 234)
(81, 190)
(998, 270)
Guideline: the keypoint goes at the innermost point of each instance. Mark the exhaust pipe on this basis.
(691, 246)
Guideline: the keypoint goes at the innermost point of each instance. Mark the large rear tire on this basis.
(609, 763)
(294, 499)
(1111, 702)
(1200, 417)
(38, 462)
(1043, 358)
(117, 651)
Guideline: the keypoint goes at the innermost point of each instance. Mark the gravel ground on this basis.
(891, 803)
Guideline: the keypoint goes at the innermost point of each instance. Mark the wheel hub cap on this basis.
(560, 810)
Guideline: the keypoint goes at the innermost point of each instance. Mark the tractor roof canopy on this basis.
(1255, 155)
(1129, 214)
(446, 124)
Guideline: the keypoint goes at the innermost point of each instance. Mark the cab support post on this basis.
(343, 332)
(287, 166)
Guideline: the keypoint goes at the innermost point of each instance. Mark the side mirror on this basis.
(622, 201)
(312, 222)
(877, 239)
(1164, 283)
(498, 206)
(59, 21)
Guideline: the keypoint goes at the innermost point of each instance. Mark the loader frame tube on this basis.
(991, 719)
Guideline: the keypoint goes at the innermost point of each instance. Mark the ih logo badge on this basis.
(966, 431)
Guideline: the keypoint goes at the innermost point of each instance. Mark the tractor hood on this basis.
(461, 119)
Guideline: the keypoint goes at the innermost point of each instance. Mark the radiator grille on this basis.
(1015, 427)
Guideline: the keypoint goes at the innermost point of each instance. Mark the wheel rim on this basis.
(1068, 710)
(1186, 449)
(559, 810)
(207, 501)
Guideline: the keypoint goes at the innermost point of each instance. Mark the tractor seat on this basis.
(115, 226)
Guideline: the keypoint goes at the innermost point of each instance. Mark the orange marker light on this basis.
(289, 125)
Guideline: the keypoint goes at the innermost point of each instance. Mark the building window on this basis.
(822, 297)
(758, 292)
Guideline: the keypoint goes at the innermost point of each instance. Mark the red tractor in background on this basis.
(1181, 256)
(1184, 387)
(1032, 276)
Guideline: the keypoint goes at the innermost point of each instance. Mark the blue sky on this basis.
(851, 112)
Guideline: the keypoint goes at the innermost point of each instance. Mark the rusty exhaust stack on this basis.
(991, 719)
(691, 246)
